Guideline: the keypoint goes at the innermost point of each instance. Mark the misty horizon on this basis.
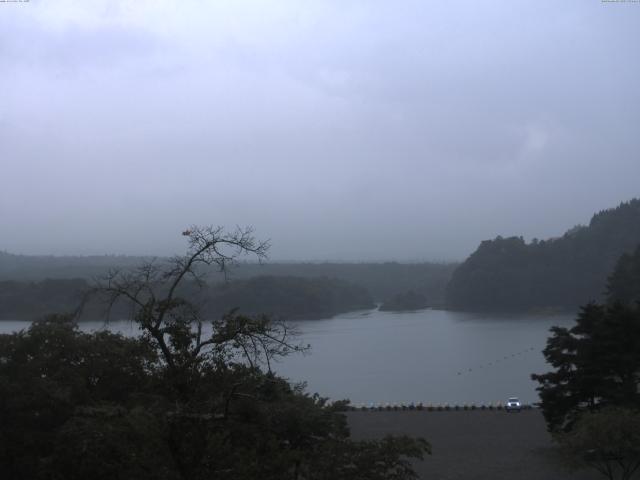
(270, 259)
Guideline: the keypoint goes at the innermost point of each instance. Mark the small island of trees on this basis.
(407, 301)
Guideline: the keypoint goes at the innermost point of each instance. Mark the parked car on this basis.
(513, 405)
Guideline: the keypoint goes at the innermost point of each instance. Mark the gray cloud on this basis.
(342, 130)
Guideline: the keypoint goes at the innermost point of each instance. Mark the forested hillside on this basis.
(282, 297)
(510, 274)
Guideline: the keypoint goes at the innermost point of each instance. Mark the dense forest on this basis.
(382, 280)
(282, 297)
(559, 273)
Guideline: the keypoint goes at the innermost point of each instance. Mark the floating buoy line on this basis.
(430, 407)
(497, 361)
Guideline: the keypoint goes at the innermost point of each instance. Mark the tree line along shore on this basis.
(504, 274)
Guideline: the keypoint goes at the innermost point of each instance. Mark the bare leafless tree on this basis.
(174, 323)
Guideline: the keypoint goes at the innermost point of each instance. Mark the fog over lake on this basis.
(429, 356)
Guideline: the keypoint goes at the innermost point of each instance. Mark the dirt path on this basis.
(474, 445)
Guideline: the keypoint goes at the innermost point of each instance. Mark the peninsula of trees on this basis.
(288, 297)
(282, 297)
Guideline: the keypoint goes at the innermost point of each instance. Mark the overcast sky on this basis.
(342, 130)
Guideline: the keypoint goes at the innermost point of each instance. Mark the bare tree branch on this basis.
(174, 323)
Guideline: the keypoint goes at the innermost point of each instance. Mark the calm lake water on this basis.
(429, 356)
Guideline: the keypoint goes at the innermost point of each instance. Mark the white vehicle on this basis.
(513, 405)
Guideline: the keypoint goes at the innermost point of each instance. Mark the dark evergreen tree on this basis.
(624, 282)
(596, 362)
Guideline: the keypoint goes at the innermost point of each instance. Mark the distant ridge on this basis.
(559, 273)
(40, 267)
(382, 280)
